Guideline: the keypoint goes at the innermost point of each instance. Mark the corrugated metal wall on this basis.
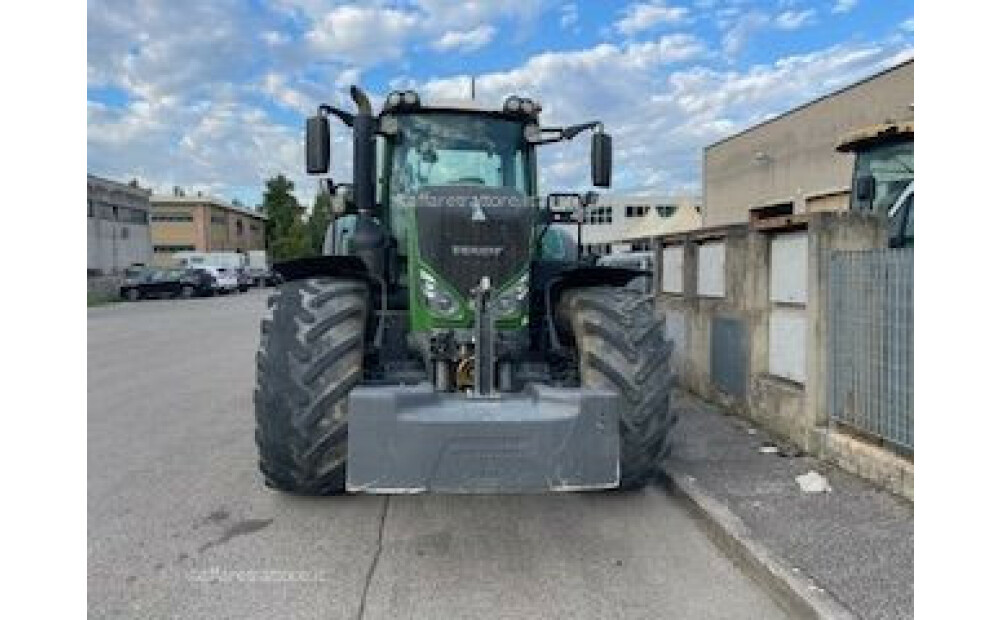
(871, 343)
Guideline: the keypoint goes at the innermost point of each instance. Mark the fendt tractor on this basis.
(883, 176)
(449, 340)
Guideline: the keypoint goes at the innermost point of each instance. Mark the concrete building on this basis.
(118, 230)
(202, 224)
(626, 223)
(789, 164)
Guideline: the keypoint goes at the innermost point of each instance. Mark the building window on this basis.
(132, 216)
(239, 227)
(219, 219)
(90, 208)
(170, 249)
(172, 217)
(665, 210)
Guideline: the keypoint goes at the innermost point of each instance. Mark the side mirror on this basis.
(317, 145)
(600, 159)
(864, 189)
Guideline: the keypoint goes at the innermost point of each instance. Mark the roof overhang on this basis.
(883, 133)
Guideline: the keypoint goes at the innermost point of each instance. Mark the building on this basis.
(789, 164)
(625, 224)
(118, 230)
(202, 224)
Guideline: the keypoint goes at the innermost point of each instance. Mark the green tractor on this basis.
(450, 339)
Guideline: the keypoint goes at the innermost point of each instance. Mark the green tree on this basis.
(293, 244)
(286, 233)
(319, 219)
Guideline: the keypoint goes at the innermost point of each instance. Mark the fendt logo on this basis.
(477, 251)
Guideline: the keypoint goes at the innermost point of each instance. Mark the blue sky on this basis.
(211, 95)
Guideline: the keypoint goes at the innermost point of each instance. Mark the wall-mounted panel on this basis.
(729, 355)
(712, 269)
(787, 343)
(673, 269)
(789, 268)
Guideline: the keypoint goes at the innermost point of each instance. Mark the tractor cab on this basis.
(882, 181)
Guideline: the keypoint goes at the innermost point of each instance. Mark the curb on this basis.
(793, 590)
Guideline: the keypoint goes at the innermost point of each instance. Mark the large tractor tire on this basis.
(620, 346)
(311, 355)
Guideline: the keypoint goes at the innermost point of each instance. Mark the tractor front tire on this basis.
(311, 355)
(620, 347)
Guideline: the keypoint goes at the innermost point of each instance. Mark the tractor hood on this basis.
(467, 232)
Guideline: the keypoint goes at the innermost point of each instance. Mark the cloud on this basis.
(211, 95)
(466, 41)
(661, 109)
(640, 17)
(844, 6)
(793, 20)
(569, 16)
(744, 27)
(362, 35)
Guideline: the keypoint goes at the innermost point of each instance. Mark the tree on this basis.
(318, 222)
(293, 244)
(286, 233)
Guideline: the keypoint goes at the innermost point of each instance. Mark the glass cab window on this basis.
(891, 167)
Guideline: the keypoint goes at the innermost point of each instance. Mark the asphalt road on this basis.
(181, 526)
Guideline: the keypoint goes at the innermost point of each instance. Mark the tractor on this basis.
(883, 176)
(449, 339)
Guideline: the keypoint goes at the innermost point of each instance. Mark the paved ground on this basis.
(181, 526)
(856, 541)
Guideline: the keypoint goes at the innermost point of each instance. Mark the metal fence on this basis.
(870, 368)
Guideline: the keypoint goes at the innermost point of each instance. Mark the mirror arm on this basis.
(568, 133)
(345, 117)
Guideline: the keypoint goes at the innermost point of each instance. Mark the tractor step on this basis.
(411, 439)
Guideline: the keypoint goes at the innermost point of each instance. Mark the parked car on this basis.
(147, 283)
(243, 280)
(262, 277)
(224, 280)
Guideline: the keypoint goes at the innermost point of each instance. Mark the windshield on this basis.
(891, 165)
(457, 149)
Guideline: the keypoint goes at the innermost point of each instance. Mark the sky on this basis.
(212, 96)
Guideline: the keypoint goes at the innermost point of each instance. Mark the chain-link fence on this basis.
(871, 343)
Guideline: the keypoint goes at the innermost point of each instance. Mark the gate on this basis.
(870, 387)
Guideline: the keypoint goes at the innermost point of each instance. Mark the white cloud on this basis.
(793, 20)
(569, 16)
(744, 27)
(465, 41)
(274, 38)
(844, 6)
(201, 86)
(661, 114)
(640, 17)
(362, 35)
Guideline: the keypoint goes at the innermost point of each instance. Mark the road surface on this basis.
(181, 526)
